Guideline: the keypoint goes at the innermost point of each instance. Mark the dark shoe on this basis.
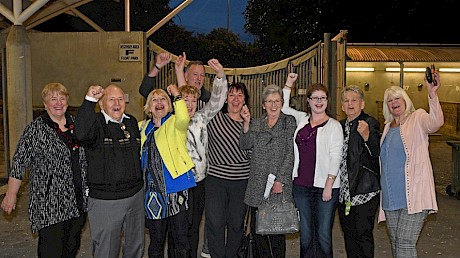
(156, 255)
(171, 253)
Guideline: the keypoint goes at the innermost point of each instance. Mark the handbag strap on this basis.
(283, 200)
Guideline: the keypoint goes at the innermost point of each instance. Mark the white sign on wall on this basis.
(130, 52)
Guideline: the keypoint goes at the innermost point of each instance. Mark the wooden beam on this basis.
(87, 20)
(49, 13)
(168, 17)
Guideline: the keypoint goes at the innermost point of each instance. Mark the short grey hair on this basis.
(270, 89)
(353, 88)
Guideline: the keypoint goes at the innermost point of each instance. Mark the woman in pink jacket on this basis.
(408, 190)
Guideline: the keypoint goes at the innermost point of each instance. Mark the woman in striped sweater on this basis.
(228, 174)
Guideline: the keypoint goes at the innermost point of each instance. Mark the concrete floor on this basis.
(440, 236)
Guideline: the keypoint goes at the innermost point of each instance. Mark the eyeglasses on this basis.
(123, 128)
(271, 102)
(318, 99)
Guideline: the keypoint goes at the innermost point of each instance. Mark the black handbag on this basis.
(275, 218)
(247, 247)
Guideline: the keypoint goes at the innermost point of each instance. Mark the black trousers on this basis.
(175, 226)
(196, 197)
(62, 239)
(358, 227)
(267, 246)
(225, 210)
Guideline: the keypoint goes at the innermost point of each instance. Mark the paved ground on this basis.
(440, 236)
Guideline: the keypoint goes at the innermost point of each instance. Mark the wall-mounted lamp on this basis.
(449, 70)
(360, 69)
(408, 69)
(420, 86)
(366, 86)
(416, 69)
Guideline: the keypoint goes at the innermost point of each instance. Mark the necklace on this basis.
(66, 136)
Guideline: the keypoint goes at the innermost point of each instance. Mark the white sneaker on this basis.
(205, 254)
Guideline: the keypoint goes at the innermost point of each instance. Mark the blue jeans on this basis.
(316, 220)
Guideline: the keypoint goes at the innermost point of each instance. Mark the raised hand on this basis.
(173, 90)
(95, 91)
(217, 67)
(292, 77)
(245, 114)
(163, 59)
(180, 62)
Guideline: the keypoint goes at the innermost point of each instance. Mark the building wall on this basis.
(379, 80)
(80, 59)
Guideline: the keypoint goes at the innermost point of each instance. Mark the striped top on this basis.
(226, 159)
(200, 104)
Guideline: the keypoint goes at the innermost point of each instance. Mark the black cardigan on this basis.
(114, 170)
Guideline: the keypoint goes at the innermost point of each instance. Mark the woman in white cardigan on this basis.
(318, 142)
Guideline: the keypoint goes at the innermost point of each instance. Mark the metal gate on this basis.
(324, 62)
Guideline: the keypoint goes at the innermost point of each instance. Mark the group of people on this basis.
(349, 165)
(201, 153)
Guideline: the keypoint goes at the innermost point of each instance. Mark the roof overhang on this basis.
(403, 53)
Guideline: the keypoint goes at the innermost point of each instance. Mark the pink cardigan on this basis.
(420, 188)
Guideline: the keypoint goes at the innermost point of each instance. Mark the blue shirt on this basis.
(393, 180)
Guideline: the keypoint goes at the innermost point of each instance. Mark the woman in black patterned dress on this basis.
(57, 177)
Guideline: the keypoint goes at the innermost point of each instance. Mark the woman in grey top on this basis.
(271, 140)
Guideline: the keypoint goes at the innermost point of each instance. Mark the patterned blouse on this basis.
(197, 134)
(48, 159)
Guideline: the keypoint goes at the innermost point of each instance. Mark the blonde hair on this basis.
(54, 87)
(189, 90)
(396, 92)
(161, 93)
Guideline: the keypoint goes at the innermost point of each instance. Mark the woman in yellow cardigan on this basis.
(167, 170)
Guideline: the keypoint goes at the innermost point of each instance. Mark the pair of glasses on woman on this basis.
(126, 133)
(273, 102)
(318, 99)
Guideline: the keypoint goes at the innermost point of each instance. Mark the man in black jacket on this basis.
(359, 174)
(116, 199)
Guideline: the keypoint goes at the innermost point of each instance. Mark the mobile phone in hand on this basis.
(429, 74)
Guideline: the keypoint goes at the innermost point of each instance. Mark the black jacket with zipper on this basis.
(363, 156)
